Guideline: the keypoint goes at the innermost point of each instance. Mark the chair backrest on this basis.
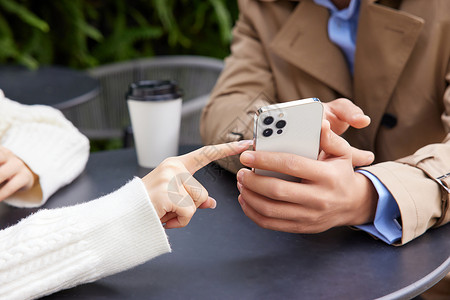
(106, 116)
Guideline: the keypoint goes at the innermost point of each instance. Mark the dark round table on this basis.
(56, 86)
(222, 254)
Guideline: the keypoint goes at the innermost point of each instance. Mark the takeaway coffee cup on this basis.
(155, 113)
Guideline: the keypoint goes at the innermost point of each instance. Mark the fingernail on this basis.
(245, 143)
(247, 157)
(214, 202)
(361, 116)
(241, 201)
(240, 176)
(239, 186)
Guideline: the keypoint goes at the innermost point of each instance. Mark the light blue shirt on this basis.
(385, 226)
(342, 27)
(342, 30)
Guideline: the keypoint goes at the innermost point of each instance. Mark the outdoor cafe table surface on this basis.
(222, 254)
(56, 86)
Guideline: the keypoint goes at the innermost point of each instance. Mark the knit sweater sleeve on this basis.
(57, 249)
(47, 142)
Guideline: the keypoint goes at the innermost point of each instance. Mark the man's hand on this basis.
(342, 113)
(175, 193)
(14, 174)
(330, 194)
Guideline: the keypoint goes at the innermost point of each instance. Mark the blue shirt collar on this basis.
(345, 13)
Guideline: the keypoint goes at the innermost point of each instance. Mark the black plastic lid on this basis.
(154, 90)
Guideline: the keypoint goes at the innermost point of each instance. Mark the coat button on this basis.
(389, 120)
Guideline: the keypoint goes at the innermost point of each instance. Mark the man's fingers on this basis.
(331, 143)
(348, 112)
(276, 208)
(295, 165)
(361, 157)
(199, 158)
(334, 145)
(285, 163)
(278, 189)
(273, 223)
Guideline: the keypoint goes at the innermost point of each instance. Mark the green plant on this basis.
(9, 47)
(86, 33)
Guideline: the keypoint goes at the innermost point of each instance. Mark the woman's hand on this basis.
(14, 174)
(175, 193)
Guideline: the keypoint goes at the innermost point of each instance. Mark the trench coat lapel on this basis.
(385, 40)
(303, 42)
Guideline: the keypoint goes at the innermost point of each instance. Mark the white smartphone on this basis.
(292, 127)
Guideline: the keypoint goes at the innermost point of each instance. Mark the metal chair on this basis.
(106, 116)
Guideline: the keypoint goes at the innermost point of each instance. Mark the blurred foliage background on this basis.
(87, 33)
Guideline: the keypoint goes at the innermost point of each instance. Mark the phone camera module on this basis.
(281, 124)
(267, 132)
(268, 120)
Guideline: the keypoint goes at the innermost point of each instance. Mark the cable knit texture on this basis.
(47, 142)
(57, 249)
(60, 248)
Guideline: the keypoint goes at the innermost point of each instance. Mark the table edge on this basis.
(421, 285)
(78, 100)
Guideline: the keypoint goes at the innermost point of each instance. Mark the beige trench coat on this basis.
(281, 52)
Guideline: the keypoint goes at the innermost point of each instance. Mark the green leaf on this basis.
(90, 31)
(24, 14)
(200, 14)
(223, 18)
(28, 61)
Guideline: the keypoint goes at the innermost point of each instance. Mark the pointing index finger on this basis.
(199, 158)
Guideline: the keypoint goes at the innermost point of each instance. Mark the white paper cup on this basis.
(155, 113)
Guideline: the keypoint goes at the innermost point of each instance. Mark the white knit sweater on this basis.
(60, 248)
(47, 142)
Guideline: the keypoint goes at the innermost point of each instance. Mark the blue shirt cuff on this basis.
(385, 226)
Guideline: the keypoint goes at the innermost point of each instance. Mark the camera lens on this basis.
(279, 131)
(268, 120)
(267, 132)
(280, 124)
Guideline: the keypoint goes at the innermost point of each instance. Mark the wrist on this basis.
(149, 187)
(367, 199)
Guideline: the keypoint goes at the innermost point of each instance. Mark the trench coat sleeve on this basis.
(420, 182)
(245, 85)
